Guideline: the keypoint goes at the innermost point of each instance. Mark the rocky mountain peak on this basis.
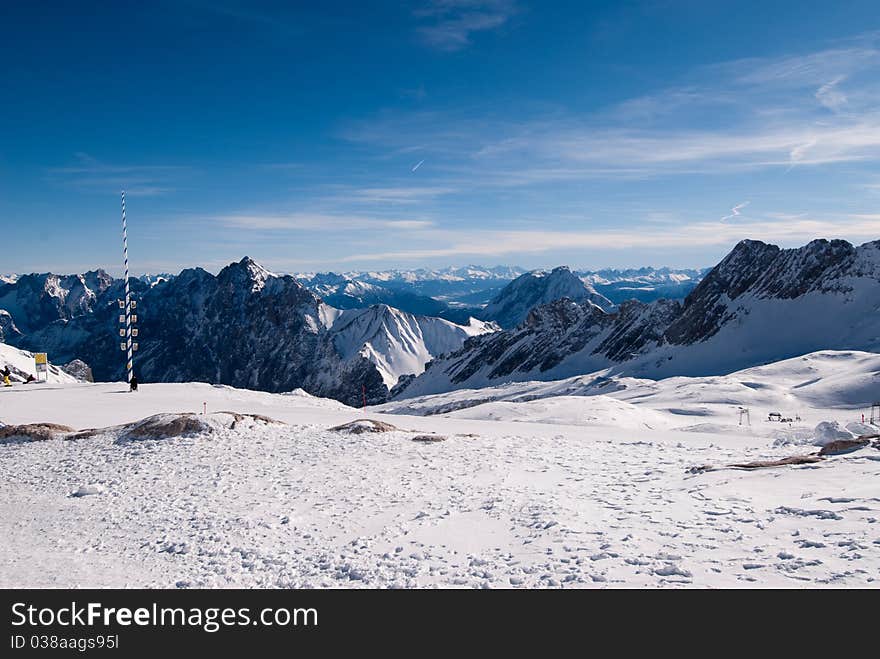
(532, 289)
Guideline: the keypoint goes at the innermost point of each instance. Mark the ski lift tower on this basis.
(127, 319)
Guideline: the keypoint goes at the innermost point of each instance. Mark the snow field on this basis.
(501, 503)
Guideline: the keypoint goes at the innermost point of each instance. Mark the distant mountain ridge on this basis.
(643, 284)
(344, 293)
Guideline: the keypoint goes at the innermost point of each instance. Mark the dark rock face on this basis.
(244, 327)
(36, 300)
(555, 331)
(8, 331)
(79, 369)
(762, 271)
(638, 327)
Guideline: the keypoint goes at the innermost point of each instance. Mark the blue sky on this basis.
(315, 136)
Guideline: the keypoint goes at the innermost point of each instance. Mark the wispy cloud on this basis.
(91, 175)
(801, 70)
(765, 113)
(735, 211)
(685, 235)
(398, 195)
(449, 24)
(830, 96)
(303, 221)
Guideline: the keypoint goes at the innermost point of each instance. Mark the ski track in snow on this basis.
(514, 506)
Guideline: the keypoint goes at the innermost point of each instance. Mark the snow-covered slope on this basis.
(21, 364)
(511, 306)
(399, 343)
(760, 304)
(557, 340)
(514, 496)
(839, 380)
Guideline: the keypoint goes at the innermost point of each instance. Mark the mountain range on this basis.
(245, 327)
(759, 304)
(340, 336)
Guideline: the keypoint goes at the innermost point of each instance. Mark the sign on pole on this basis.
(41, 361)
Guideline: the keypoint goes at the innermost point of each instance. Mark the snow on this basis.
(21, 363)
(511, 306)
(830, 431)
(653, 276)
(824, 295)
(578, 483)
(828, 379)
(399, 343)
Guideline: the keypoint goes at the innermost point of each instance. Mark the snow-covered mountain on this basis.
(251, 328)
(648, 275)
(456, 293)
(398, 343)
(450, 274)
(35, 300)
(511, 306)
(453, 292)
(760, 304)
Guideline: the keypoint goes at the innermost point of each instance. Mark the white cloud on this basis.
(397, 195)
(806, 69)
(830, 96)
(316, 222)
(753, 114)
(735, 211)
(92, 175)
(450, 24)
(697, 234)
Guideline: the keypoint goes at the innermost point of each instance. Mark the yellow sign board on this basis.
(41, 358)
